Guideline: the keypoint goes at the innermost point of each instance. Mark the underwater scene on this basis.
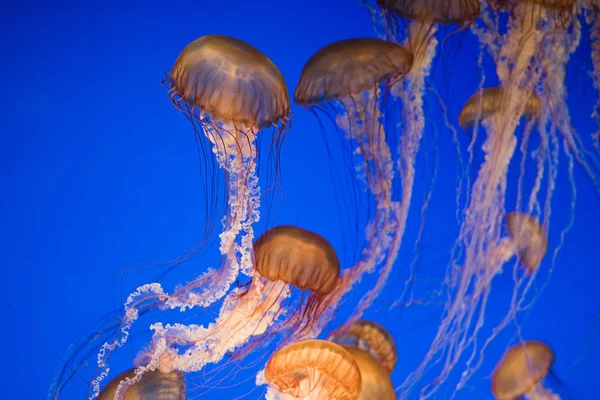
(341, 199)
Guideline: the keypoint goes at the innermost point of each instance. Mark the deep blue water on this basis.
(99, 172)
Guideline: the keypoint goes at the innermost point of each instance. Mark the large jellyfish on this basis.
(352, 79)
(313, 370)
(285, 256)
(521, 372)
(154, 385)
(229, 91)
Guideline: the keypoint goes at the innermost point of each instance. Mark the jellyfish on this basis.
(153, 385)
(521, 372)
(313, 370)
(285, 257)
(352, 78)
(372, 338)
(230, 91)
(414, 24)
(527, 240)
(483, 104)
(376, 381)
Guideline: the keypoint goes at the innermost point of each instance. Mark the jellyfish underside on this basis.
(521, 372)
(152, 385)
(314, 370)
(433, 11)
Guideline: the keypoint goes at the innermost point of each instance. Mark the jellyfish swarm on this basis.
(352, 79)
(530, 60)
(285, 256)
(312, 370)
(413, 23)
(153, 385)
(229, 91)
(521, 372)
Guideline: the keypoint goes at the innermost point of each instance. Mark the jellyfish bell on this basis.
(521, 371)
(152, 385)
(314, 370)
(487, 102)
(299, 257)
(529, 237)
(372, 338)
(236, 89)
(435, 11)
(349, 67)
(422, 16)
(375, 378)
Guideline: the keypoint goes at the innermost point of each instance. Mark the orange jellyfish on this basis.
(521, 372)
(372, 338)
(376, 381)
(486, 102)
(229, 91)
(528, 241)
(285, 257)
(153, 385)
(352, 79)
(313, 370)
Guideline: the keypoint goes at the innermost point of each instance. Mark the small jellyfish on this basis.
(313, 370)
(521, 372)
(488, 101)
(153, 385)
(528, 241)
(285, 257)
(371, 337)
(376, 381)
(352, 78)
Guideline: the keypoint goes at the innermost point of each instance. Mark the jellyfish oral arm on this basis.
(540, 392)
(504, 252)
(241, 317)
